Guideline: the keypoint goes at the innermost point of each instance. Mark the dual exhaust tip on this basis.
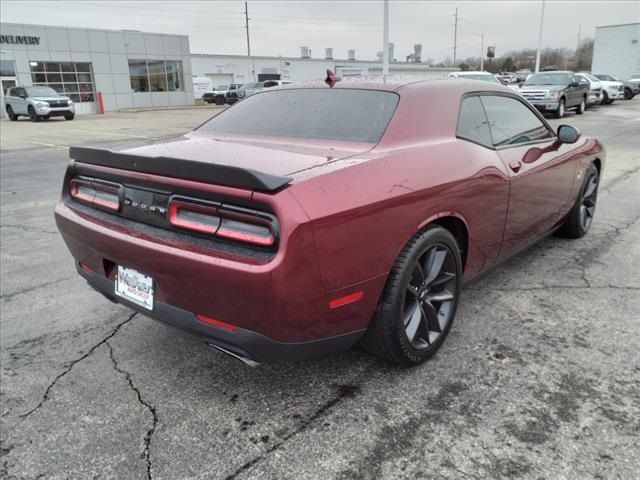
(244, 359)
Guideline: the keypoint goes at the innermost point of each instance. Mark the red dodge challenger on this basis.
(307, 218)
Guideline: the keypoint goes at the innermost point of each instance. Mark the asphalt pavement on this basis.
(539, 377)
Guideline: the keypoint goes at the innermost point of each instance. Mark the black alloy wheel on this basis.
(588, 201)
(419, 301)
(580, 218)
(430, 297)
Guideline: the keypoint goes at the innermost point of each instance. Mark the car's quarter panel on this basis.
(363, 215)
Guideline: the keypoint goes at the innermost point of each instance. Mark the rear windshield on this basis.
(349, 115)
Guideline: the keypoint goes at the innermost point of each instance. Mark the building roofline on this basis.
(335, 60)
(619, 25)
(124, 30)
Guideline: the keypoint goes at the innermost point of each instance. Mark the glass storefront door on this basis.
(7, 83)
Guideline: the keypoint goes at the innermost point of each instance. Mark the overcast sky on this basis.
(281, 28)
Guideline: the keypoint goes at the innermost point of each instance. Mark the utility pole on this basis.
(455, 37)
(579, 34)
(246, 26)
(540, 39)
(482, 53)
(385, 40)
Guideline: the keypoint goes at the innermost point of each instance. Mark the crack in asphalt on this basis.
(7, 297)
(554, 287)
(624, 175)
(28, 229)
(45, 397)
(344, 391)
(148, 406)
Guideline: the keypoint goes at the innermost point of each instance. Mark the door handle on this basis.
(515, 165)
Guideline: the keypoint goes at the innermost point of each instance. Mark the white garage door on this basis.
(220, 78)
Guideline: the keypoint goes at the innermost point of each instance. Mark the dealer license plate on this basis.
(135, 287)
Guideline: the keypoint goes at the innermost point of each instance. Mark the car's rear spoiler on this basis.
(181, 168)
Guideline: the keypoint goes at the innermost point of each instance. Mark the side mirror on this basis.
(568, 134)
(574, 84)
(23, 96)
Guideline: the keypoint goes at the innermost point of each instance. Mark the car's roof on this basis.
(556, 71)
(395, 84)
(474, 72)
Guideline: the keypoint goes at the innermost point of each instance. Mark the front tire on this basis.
(628, 94)
(419, 300)
(219, 100)
(561, 109)
(582, 107)
(69, 116)
(605, 98)
(579, 220)
(33, 115)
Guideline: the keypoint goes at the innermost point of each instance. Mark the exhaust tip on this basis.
(237, 356)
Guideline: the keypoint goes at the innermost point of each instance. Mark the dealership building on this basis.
(130, 69)
(225, 69)
(616, 50)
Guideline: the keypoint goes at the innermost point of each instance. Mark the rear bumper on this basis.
(282, 302)
(243, 343)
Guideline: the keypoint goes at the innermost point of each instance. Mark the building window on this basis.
(75, 80)
(7, 68)
(155, 75)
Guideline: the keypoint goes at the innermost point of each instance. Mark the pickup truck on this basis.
(555, 92)
(221, 94)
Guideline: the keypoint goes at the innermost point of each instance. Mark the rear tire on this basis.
(582, 107)
(419, 301)
(12, 116)
(580, 218)
(559, 113)
(33, 115)
(628, 94)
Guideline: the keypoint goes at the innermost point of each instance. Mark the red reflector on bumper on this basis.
(216, 323)
(339, 302)
(86, 268)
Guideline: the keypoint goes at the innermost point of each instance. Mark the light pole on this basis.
(540, 39)
(482, 52)
(385, 41)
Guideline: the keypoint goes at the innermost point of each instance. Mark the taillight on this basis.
(96, 192)
(194, 216)
(235, 223)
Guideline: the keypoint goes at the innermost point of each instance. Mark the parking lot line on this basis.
(47, 144)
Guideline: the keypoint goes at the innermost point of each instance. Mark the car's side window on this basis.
(472, 122)
(511, 122)
(12, 92)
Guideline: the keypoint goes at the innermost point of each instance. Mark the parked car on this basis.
(38, 103)
(630, 88)
(475, 75)
(595, 88)
(555, 92)
(507, 78)
(249, 89)
(308, 218)
(275, 83)
(611, 89)
(232, 94)
(221, 94)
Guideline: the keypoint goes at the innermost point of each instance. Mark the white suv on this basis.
(612, 89)
(39, 103)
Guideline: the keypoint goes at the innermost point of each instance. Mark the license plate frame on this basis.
(135, 287)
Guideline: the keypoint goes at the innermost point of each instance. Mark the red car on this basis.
(306, 218)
